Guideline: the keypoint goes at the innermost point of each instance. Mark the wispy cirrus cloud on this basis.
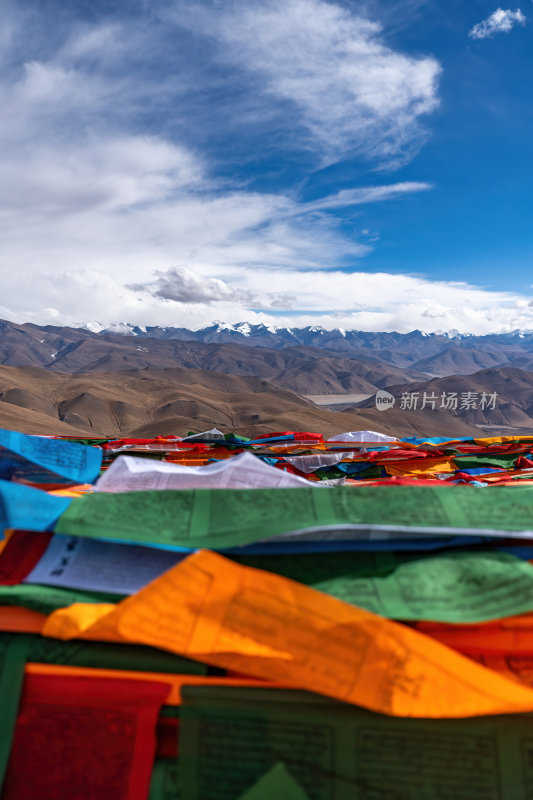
(365, 194)
(346, 87)
(500, 21)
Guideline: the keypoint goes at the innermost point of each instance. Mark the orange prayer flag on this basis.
(422, 466)
(267, 626)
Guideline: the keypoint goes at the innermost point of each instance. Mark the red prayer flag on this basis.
(84, 738)
(21, 553)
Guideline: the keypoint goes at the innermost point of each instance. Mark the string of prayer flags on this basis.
(38, 459)
(194, 518)
(360, 456)
(207, 616)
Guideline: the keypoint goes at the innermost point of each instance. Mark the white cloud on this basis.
(365, 194)
(97, 206)
(102, 173)
(384, 301)
(83, 189)
(182, 285)
(364, 301)
(500, 21)
(351, 91)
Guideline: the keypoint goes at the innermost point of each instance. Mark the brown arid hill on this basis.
(309, 373)
(173, 401)
(455, 360)
(513, 404)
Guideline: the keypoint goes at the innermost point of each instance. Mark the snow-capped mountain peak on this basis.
(219, 326)
(94, 327)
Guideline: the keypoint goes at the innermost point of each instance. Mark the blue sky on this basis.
(352, 164)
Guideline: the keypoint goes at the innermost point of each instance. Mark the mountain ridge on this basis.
(321, 363)
(79, 349)
(513, 403)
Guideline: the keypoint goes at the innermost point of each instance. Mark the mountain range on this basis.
(425, 352)
(112, 381)
(264, 351)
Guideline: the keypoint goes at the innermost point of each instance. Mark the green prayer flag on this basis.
(225, 518)
(453, 587)
(46, 599)
(231, 737)
(479, 460)
(105, 655)
(13, 657)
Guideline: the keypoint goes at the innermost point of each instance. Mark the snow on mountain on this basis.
(94, 327)
(122, 328)
(400, 349)
(220, 326)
